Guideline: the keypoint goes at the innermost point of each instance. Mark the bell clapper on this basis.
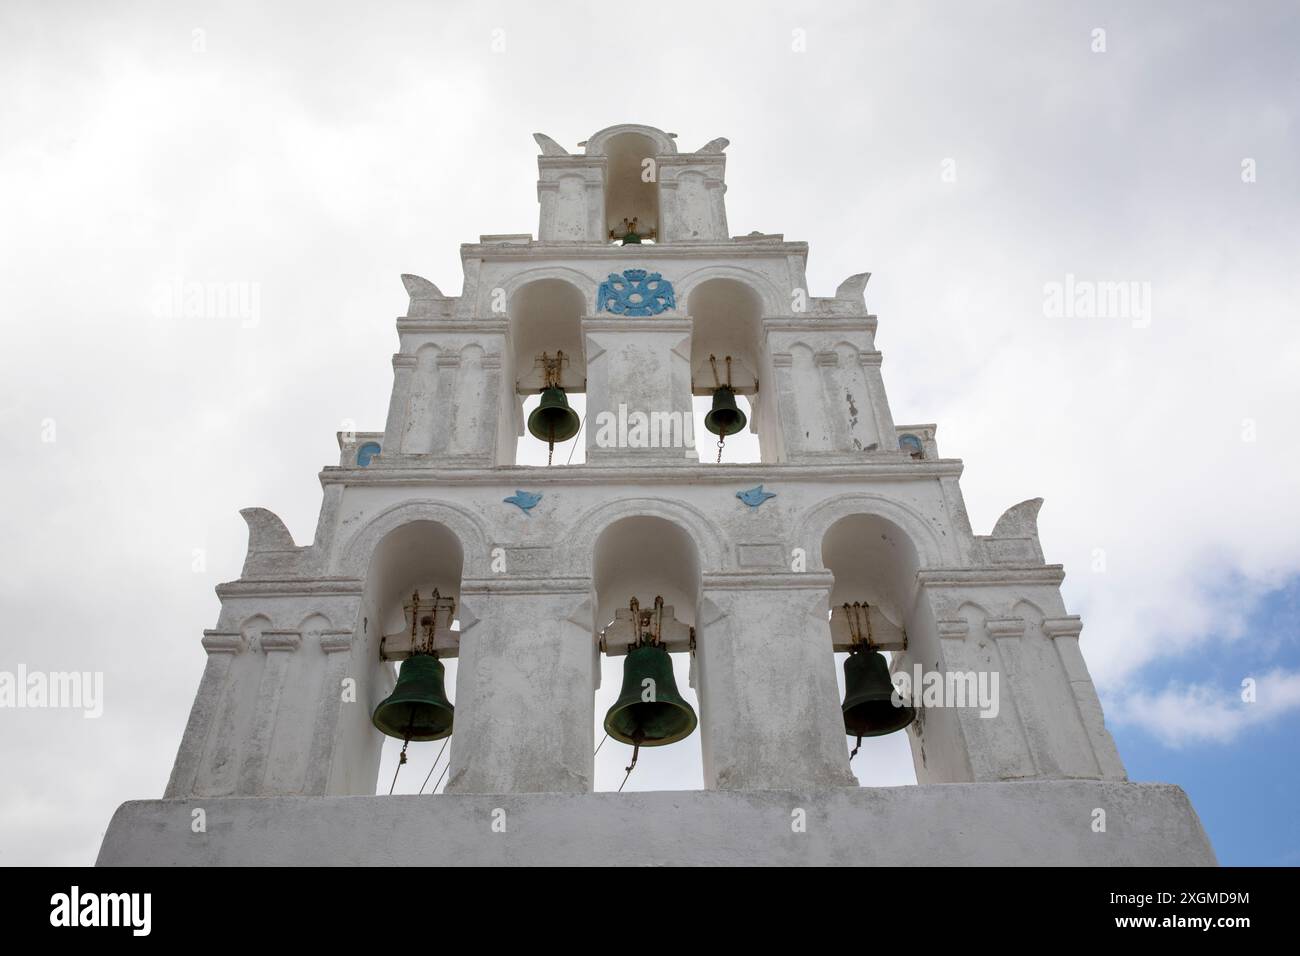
(721, 442)
(854, 752)
(401, 758)
(636, 752)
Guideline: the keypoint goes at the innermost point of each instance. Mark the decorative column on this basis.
(278, 647)
(765, 672)
(337, 648)
(830, 399)
(403, 369)
(639, 390)
(1064, 632)
(525, 688)
(221, 648)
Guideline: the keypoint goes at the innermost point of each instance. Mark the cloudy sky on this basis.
(968, 155)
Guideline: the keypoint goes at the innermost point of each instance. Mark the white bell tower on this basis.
(635, 279)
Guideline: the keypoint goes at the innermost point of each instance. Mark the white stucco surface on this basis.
(1039, 822)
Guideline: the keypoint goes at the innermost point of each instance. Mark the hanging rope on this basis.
(435, 764)
(440, 776)
(577, 436)
(601, 744)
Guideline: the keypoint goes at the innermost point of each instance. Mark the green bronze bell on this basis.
(418, 708)
(869, 710)
(649, 714)
(725, 418)
(553, 420)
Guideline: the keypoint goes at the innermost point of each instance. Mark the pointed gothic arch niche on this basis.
(627, 193)
(546, 317)
(418, 555)
(645, 556)
(874, 561)
(726, 319)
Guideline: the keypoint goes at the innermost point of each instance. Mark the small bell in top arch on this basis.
(725, 417)
(631, 235)
(553, 420)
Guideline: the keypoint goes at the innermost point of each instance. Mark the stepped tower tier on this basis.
(635, 297)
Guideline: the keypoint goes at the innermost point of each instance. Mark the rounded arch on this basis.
(253, 626)
(426, 356)
(354, 557)
(645, 556)
(1027, 610)
(768, 294)
(845, 347)
(631, 197)
(815, 522)
(598, 143)
(314, 621)
(583, 283)
(545, 315)
(727, 316)
(580, 541)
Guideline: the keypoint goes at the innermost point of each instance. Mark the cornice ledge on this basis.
(812, 322)
(738, 249)
(522, 585)
(289, 587)
(607, 322)
(1049, 574)
(281, 640)
(488, 324)
(1006, 627)
(224, 642)
(767, 580)
(1068, 626)
(650, 473)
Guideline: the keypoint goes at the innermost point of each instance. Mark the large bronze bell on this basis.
(649, 715)
(418, 708)
(869, 710)
(725, 418)
(553, 420)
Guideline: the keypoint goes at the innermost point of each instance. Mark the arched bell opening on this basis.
(547, 354)
(646, 578)
(874, 563)
(726, 316)
(631, 189)
(410, 609)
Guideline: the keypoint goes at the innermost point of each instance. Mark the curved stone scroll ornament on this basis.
(636, 293)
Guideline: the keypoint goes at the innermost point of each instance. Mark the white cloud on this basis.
(1186, 714)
